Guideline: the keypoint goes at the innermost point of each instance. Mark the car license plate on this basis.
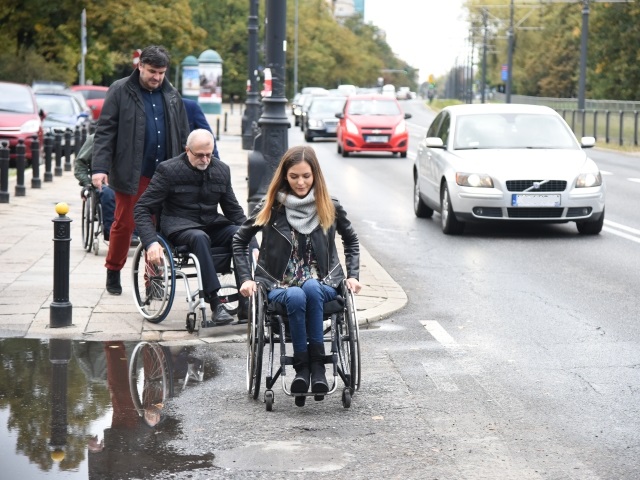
(376, 139)
(535, 200)
(331, 129)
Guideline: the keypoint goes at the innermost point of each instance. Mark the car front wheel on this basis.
(591, 228)
(450, 224)
(419, 207)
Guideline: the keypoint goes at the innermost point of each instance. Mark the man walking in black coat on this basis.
(143, 122)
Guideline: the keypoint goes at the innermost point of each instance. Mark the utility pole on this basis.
(484, 54)
(83, 44)
(582, 82)
(295, 52)
(510, 34)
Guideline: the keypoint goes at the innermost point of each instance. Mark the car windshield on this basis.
(56, 104)
(373, 107)
(16, 99)
(511, 130)
(327, 105)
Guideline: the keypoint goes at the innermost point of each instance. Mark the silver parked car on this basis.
(503, 163)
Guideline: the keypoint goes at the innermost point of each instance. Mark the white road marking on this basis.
(619, 226)
(439, 333)
(636, 180)
(621, 234)
(604, 172)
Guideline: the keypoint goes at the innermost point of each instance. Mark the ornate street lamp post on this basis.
(272, 142)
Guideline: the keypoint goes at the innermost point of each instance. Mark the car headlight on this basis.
(351, 127)
(315, 123)
(474, 180)
(401, 128)
(32, 126)
(586, 180)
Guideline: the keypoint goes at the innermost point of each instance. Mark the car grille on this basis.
(550, 186)
(331, 123)
(376, 131)
(544, 212)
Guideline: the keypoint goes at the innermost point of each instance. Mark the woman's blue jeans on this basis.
(304, 309)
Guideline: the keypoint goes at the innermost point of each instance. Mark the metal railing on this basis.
(609, 121)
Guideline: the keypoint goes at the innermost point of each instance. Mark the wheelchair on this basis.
(268, 326)
(154, 286)
(92, 220)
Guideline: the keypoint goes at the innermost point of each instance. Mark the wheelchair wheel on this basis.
(255, 342)
(150, 380)
(348, 357)
(87, 222)
(351, 310)
(153, 285)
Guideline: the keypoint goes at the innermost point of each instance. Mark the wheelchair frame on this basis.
(154, 286)
(91, 213)
(264, 328)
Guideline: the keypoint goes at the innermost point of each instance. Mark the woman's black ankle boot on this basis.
(316, 359)
(300, 383)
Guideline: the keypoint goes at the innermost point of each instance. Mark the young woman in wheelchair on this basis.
(298, 262)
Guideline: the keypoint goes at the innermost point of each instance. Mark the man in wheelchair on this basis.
(187, 190)
(298, 262)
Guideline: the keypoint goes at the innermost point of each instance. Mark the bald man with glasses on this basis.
(190, 189)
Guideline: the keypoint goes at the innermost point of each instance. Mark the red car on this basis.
(19, 117)
(372, 123)
(94, 95)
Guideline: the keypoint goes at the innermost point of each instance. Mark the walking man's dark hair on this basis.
(156, 56)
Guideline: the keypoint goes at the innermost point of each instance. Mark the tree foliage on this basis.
(41, 40)
(546, 58)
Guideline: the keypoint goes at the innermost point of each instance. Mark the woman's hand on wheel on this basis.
(248, 288)
(354, 285)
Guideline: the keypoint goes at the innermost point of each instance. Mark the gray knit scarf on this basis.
(302, 213)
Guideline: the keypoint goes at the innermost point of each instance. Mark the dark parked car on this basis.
(63, 110)
(320, 120)
(19, 117)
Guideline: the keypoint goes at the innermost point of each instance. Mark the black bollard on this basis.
(21, 151)
(4, 172)
(225, 122)
(218, 127)
(35, 162)
(83, 139)
(67, 150)
(76, 141)
(61, 309)
(57, 145)
(48, 150)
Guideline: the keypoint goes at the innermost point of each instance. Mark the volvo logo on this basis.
(536, 185)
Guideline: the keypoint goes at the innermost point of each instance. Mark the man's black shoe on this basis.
(219, 317)
(113, 282)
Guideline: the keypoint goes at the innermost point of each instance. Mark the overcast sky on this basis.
(427, 34)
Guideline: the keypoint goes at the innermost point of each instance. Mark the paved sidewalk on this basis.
(26, 259)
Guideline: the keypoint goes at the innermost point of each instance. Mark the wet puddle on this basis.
(79, 410)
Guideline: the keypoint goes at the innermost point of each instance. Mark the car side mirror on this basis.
(42, 114)
(340, 115)
(587, 142)
(407, 116)
(434, 142)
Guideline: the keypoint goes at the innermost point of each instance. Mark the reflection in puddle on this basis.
(93, 409)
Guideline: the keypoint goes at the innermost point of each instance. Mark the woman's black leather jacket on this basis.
(275, 249)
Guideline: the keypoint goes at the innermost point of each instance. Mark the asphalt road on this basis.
(517, 356)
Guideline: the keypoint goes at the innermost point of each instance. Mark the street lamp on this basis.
(252, 103)
(273, 141)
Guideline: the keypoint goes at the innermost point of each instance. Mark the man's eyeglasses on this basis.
(202, 156)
